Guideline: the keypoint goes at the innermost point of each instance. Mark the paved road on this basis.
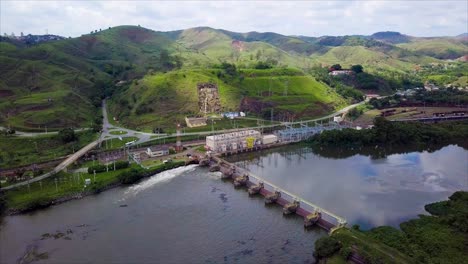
(108, 127)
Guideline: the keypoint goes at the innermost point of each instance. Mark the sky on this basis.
(309, 18)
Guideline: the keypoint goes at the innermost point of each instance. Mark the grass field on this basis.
(115, 143)
(117, 132)
(18, 151)
(370, 59)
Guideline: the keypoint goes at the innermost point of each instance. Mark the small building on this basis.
(337, 119)
(157, 152)
(195, 121)
(341, 72)
(269, 139)
(231, 115)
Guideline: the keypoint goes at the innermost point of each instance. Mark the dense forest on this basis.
(387, 133)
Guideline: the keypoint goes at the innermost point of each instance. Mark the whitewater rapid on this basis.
(157, 179)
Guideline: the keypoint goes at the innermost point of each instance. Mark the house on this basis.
(157, 151)
(340, 72)
(195, 121)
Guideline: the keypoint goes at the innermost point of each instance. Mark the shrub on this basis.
(326, 247)
(121, 164)
(67, 135)
(131, 176)
(98, 168)
(346, 252)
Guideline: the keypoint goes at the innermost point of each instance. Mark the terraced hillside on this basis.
(164, 99)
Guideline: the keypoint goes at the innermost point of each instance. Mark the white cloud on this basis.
(73, 18)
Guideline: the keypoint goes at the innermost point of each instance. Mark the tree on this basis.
(326, 246)
(67, 135)
(335, 67)
(229, 69)
(357, 68)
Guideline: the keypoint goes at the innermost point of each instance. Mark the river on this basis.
(364, 190)
(189, 215)
(186, 215)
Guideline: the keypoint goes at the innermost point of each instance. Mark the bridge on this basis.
(326, 219)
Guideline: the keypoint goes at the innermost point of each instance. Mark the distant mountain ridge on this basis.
(391, 37)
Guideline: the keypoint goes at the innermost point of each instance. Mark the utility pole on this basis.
(94, 171)
(271, 115)
(269, 88)
(286, 86)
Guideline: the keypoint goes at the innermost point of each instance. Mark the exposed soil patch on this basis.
(135, 34)
(316, 109)
(250, 104)
(89, 41)
(238, 45)
(6, 93)
(36, 108)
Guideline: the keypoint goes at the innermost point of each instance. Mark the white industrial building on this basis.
(156, 152)
(269, 139)
(239, 140)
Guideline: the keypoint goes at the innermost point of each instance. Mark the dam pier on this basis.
(291, 203)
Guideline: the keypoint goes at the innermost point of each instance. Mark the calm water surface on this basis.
(189, 215)
(186, 215)
(366, 191)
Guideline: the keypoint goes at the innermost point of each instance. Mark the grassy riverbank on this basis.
(441, 237)
(18, 151)
(66, 186)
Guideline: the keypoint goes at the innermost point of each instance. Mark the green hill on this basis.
(441, 48)
(60, 84)
(164, 99)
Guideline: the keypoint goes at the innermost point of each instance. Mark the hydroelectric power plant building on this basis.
(234, 141)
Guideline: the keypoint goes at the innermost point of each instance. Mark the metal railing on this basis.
(326, 215)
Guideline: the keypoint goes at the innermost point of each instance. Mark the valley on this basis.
(360, 124)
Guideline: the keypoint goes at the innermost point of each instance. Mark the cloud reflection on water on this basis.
(369, 192)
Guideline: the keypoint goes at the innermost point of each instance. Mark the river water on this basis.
(186, 215)
(189, 215)
(364, 190)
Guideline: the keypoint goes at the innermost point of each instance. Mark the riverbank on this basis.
(65, 187)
